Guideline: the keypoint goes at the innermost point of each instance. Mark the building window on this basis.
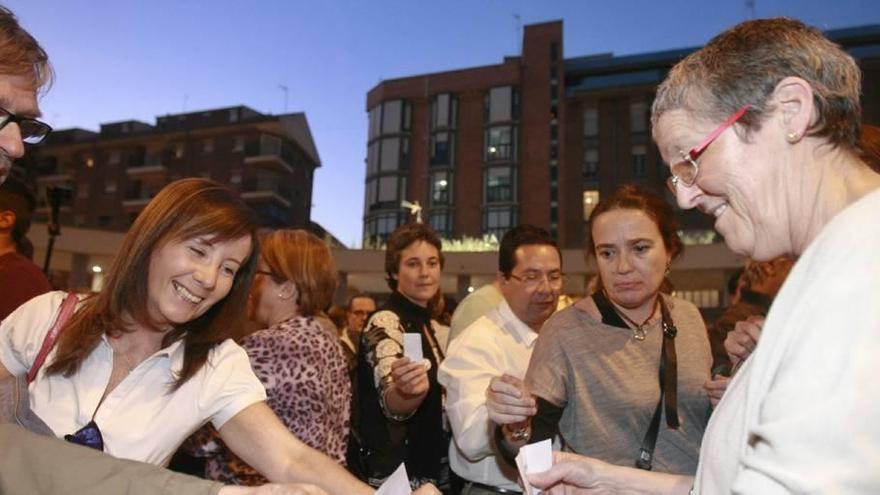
(207, 146)
(591, 163)
(375, 121)
(179, 150)
(395, 116)
(501, 105)
(238, 144)
(591, 199)
(500, 143)
(497, 221)
(591, 122)
(114, 157)
(554, 51)
(385, 192)
(443, 111)
(393, 154)
(441, 185)
(379, 227)
(498, 185)
(235, 177)
(105, 221)
(233, 114)
(640, 168)
(373, 158)
(110, 186)
(441, 148)
(82, 190)
(638, 116)
(441, 222)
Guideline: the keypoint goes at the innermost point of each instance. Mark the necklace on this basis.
(639, 330)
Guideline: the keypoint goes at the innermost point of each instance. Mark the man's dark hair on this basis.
(521, 235)
(358, 295)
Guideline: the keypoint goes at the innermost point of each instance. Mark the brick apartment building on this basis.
(536, 139)
(112, 174)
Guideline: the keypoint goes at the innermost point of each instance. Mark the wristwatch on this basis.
(521, 434)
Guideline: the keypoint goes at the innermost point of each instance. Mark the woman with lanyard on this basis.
(400, 410)
(618, 375)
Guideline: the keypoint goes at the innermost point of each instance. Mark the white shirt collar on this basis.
(512, 324)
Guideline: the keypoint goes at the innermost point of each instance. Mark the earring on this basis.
(792, 137)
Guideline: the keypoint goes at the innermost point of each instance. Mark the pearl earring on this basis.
(792, 137)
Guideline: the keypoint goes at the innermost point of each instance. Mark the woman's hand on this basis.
(273, 489)
(410, 378)
(715, 388)
(571, 474)
(509, 401)
(741, 341)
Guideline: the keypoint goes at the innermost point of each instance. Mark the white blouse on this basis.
(141, 419)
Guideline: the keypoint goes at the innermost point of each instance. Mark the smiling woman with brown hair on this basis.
(147, 361)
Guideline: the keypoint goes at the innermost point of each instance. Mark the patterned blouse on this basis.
(303, 368)
(419, 439)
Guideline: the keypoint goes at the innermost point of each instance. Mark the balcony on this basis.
(143, 163)
(269, 153)
(264, 196)
(139, 170)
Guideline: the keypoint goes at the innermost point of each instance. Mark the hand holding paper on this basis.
(534, 458)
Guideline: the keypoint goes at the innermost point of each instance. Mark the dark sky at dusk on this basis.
(126, 59)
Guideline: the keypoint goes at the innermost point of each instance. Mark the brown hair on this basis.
(743, 65)
(633, 197)
(401, 239)
(21, 54)
(305, 260)
(182, 210)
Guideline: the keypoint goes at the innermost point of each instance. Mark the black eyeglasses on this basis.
(88, 436)
(33, 131)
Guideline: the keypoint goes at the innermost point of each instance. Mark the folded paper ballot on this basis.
(534, 458)
(396, 484)
(412, 346)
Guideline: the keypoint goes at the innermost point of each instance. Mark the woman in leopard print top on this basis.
(297, 358)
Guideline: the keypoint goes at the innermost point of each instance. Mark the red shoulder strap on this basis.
(67, 308)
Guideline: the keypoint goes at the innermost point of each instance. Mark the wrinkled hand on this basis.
(715, 388)
(741, 341)
(428, 489)
(571, 474)
(274, 489)
(509, 401)
(409, 378)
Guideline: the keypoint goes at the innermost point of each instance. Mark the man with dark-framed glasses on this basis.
(24, 72)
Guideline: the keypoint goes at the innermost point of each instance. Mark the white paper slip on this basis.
(412, 346)
(396, 484)
(534, 458)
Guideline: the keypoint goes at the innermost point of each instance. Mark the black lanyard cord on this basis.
(668, 377)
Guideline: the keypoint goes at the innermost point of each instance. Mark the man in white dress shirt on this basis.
(498, 344)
